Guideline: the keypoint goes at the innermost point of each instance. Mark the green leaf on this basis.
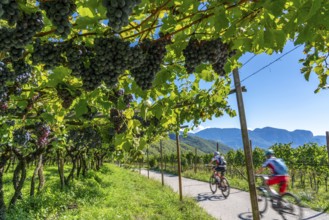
(81, 108)
(207, 75)
(50, 118)
(316, 6)
(83, 22)
(220, 19)
(318, 70)
(305, 35)
(57, 75)
(275, 39)
(85, 12)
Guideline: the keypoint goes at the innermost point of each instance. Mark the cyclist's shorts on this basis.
(282, 180)
(221, 170)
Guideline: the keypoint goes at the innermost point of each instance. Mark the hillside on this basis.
(261, 137)
(188, 144)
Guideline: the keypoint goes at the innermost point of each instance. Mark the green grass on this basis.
(112, 193)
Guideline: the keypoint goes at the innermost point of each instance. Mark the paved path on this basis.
(236, 206)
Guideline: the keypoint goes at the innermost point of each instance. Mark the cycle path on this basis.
(236, 206)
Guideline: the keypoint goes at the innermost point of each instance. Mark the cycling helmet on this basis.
(269, 152)
(216, 153)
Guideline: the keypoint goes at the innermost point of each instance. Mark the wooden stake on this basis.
(246, 146)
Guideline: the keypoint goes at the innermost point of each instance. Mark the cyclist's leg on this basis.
(222, 173)
(273, 180)
(217, 174)
(283, 184)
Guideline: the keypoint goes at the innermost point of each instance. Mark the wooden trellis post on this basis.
(246, 146)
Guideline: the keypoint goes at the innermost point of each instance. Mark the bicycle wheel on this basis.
(262, 200)
(290, 206)
(213, 184)
(225, 187)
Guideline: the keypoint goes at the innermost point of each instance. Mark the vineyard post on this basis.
(161, 163)
(246, 146)
(148, 162)
(195, 159)
(179, 164)
(179, 167)
(327, 135)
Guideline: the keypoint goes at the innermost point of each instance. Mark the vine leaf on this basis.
(81, 108)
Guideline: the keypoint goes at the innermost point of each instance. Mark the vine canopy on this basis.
(139, 66)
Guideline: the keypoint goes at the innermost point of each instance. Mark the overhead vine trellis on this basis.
(69, 63)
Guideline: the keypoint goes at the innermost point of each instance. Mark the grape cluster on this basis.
(10, 123)
(118, 120)
(127, 99)
(76, 56)
(192, 55)
(48, 53)
(23, 72)
(153, 121)
(16, 53)
(214, 52)
(109, 58)
(58, 12)
(42, 131)
(21, 75)
(3, 106)
(118, 12)
(21, 136)
(143, 122)
(155, 52)
(27, 26)
(85, 137)
(218, 67)
(90, 79)
(115, 95)
(9, 11)
(112, 57)
(119, 95)
(5, 75)
(66, 95)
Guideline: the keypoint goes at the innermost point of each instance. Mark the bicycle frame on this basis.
(285, 204)
(270, 192)
(215, 172)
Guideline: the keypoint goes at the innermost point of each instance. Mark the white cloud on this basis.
(197, 129)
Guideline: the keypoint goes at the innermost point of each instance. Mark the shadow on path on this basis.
(209, 196)
(248, 216)
(317, 215)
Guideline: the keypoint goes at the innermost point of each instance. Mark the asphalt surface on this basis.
(236, 206)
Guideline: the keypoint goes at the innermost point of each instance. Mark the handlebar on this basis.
(207, 165)
(262, 176)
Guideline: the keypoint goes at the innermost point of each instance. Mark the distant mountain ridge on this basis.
(261, 137)
(204, 145)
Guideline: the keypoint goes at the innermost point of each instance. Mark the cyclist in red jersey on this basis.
(279, 171)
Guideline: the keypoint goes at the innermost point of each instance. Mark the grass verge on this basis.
(113, 193)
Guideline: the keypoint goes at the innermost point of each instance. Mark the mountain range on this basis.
(261, 137)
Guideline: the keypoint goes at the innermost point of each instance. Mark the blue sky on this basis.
(278, 96)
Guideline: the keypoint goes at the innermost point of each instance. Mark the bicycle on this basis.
(286, 204)
(216, 182)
